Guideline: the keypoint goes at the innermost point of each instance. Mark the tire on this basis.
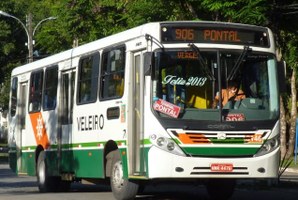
(123, 189)
(45, 182)
(220, 189)
(48, 183)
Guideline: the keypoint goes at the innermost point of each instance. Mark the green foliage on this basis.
(253, 12)
(290, 53)
(242, 11)
(221, 9)
(83, 21)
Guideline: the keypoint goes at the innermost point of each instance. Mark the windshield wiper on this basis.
(238, 63)
(202, 63)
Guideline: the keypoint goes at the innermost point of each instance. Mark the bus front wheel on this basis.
(122, 188)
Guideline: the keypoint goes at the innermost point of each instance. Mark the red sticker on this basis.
(167, 108)
(235, 117)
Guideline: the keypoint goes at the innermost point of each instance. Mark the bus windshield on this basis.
(221, 85)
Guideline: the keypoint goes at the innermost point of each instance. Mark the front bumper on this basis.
(162, 164)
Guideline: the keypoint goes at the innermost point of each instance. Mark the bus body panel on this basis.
(168, 165)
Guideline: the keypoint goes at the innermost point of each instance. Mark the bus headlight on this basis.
(160, 141)
(166, 144)
(269, 146)
(171, 146)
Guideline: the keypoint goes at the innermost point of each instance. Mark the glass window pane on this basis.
(228, 85)
(112, 75)
(50, 88)
(88, 78)
(14, 96)
(36, 82)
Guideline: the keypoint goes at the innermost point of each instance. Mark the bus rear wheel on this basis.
(48, 183)
(220, 189)
(122, 188)
(45, 182)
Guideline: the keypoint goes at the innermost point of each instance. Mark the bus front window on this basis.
(188, 83)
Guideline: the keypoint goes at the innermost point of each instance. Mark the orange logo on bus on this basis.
(38, 126)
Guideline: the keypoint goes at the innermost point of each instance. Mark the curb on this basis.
(292, 170)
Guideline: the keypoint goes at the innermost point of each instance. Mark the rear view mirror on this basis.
(281, 71)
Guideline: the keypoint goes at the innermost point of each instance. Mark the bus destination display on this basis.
(210, 34)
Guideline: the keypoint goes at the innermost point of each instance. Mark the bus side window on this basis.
(112, 74)
(88, 78)
(50, 88)
(36, 81)
(14, 96)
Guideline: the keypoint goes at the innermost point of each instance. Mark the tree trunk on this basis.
(292, 131)
(283, 129)
(189, 8)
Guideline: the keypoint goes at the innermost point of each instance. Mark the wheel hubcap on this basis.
(118, 175)
(41, 172)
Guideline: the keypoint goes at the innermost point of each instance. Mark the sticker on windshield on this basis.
(166, 108)
(191, 81)
(235, 117)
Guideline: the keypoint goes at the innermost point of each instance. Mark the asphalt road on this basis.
(25, 188)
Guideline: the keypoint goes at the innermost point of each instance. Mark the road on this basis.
(25, 188)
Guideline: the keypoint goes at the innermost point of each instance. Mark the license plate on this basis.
(221, 167)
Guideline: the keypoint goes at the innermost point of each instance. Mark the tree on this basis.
(82, 21)
(285, 17)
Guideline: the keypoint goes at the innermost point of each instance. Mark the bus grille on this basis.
(220, 137)
(208, 171)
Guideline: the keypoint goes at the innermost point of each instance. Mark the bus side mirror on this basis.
(281, 73)
(147, 63)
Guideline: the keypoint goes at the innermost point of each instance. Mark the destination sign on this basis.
(216, 34)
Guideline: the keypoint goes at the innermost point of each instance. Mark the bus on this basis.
(138, 106)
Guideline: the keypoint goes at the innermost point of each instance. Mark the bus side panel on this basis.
(52, 163)
(28, 163)
(89, 163)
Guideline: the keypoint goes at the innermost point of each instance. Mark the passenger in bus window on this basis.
(49, 101)
(231, 93)
(116, 85)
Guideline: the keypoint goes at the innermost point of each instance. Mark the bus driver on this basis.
(232, 92)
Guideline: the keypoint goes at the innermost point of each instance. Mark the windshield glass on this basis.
(230, 85)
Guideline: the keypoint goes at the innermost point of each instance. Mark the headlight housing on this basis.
(269, 146)
(166, 144)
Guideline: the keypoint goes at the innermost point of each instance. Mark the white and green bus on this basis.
(137, 106)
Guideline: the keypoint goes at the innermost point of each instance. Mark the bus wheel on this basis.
(45, 182)
(220, 188)
(122, 188)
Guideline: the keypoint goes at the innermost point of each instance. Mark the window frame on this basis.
(53, 86)
(107, 73)
(14, 96)
(35, 93)
(91, 78)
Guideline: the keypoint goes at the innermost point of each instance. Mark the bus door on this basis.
(65, 121)
(136, 135)
(20, 126)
